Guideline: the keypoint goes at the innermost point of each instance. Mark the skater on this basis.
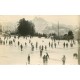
(21, 47)
(64, 44)
(44, 59)
(28, 59)
(18, 43)
(41, 53)
(14, 40)
(45, 47)
(67, 45)
(32, 47)
(71, 44)
(36, 45)
(55, 45)
(49, 44)
(11, 42)
(47, 55)
(3, 42)
(42, 47)
(63, 59)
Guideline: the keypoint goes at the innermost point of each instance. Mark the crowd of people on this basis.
(11, 40)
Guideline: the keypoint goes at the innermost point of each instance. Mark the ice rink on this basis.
(12, 54)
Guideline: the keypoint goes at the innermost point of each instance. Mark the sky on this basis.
(62, 19)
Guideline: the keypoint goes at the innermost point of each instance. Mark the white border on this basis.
(39, 7)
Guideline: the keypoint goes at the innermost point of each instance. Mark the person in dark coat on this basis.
(36, 45)
(64, 44)
(44, 57)
(41, 53)
(28, 59)
(49, 44)
(45, 47)
(18, 43)
(21, 47)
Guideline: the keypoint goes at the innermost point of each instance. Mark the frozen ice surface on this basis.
(12, 54)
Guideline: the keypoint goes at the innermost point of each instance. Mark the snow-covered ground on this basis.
(12, 54)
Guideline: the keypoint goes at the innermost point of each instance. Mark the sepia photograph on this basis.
(39, 40)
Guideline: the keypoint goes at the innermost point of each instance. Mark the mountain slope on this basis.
(42, 26)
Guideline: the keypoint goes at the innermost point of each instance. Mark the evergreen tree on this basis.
(25, 28)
